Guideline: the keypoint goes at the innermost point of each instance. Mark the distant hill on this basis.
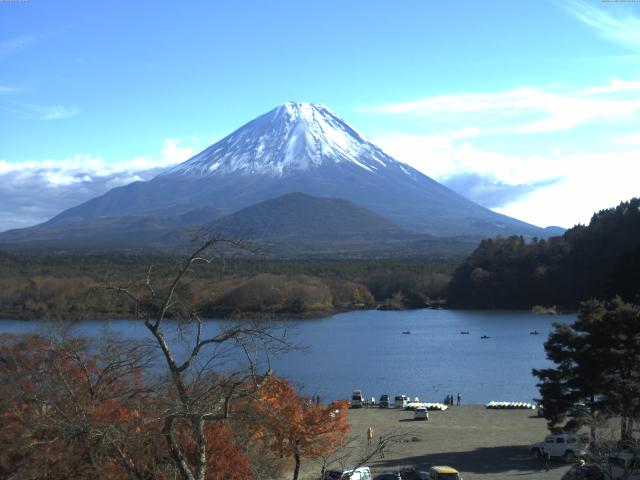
(299, 215)
(297, 224)
(293, 225)
(600, 260)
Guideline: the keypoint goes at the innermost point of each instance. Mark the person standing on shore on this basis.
(369, 435)
(381, 447)
(459, 397)
(546, 457)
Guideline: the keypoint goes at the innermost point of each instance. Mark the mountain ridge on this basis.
(297, 147)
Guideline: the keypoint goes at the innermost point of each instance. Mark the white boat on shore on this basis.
(510, 405)
(431, 406)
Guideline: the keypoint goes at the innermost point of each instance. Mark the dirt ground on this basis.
(480, 443)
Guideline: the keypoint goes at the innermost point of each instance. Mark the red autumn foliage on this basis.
(68, 412)
(298, 427)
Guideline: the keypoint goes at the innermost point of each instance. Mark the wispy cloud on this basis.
(590, 182)
(34, 111)
(555, 189)
(524, 110)
(464, 147)
(56, 112)
(15, 44)
(491, 192)
(611, 20)
(36, 190)
(4, 90)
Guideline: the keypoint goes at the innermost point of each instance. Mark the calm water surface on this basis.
(367, 350)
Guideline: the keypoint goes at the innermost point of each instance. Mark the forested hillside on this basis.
(72, 286)
(595, 261)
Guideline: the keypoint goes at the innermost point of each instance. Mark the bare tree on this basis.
(616, 461)
(353, 454)
(207, 370)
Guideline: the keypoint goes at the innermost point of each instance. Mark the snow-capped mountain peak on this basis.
(303, 148)
(289, 138)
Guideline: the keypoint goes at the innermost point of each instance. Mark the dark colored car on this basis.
(386, 476)
(384, 401)
(584, 472)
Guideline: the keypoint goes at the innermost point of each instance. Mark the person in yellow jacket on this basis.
(369, 435)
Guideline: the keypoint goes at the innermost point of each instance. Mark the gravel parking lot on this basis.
(480, 443)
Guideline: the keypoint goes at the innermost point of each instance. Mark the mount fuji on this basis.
(296, 147)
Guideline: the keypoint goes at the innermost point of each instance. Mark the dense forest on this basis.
(600, 260)
(76, 286)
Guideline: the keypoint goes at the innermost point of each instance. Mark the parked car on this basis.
(401, 401)
(386, 476)
(357, 399)
(420, 413)
(384, 401)
(407, 474)
(360, 473)
(584, 472)
(444, 473)
(567, 446)
(624, 465)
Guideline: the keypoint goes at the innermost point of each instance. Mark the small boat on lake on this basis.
(407, 332)
(464, 332)
(485, 337)
(533, 332)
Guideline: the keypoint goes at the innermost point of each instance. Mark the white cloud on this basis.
(42, 112)
(524, 110)
(586, 188)
(55, 112)
(630, 139)
(554, 185)
(35, 190)
(612, 20)
(34, 111)
(4, 90)
(556, 189)
(443, 156)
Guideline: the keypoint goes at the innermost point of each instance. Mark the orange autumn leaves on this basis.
(70, 410)
(298, 427)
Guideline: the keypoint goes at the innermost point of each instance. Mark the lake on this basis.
(368, 351)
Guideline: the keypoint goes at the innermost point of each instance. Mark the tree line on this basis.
(600, 260)
(70, 286)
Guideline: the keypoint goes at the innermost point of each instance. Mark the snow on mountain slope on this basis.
(290, 138)
(300, 147)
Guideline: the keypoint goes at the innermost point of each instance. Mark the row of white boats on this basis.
(510, 405)
(429, 406)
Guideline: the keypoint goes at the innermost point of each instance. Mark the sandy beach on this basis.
(480, 443)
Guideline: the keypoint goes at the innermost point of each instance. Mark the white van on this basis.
(357, 399)
(360, 473)
(401, 401)
(567, 446)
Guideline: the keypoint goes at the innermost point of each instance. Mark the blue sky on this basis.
(531, 108)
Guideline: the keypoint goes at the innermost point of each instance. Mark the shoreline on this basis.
(275, 316)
